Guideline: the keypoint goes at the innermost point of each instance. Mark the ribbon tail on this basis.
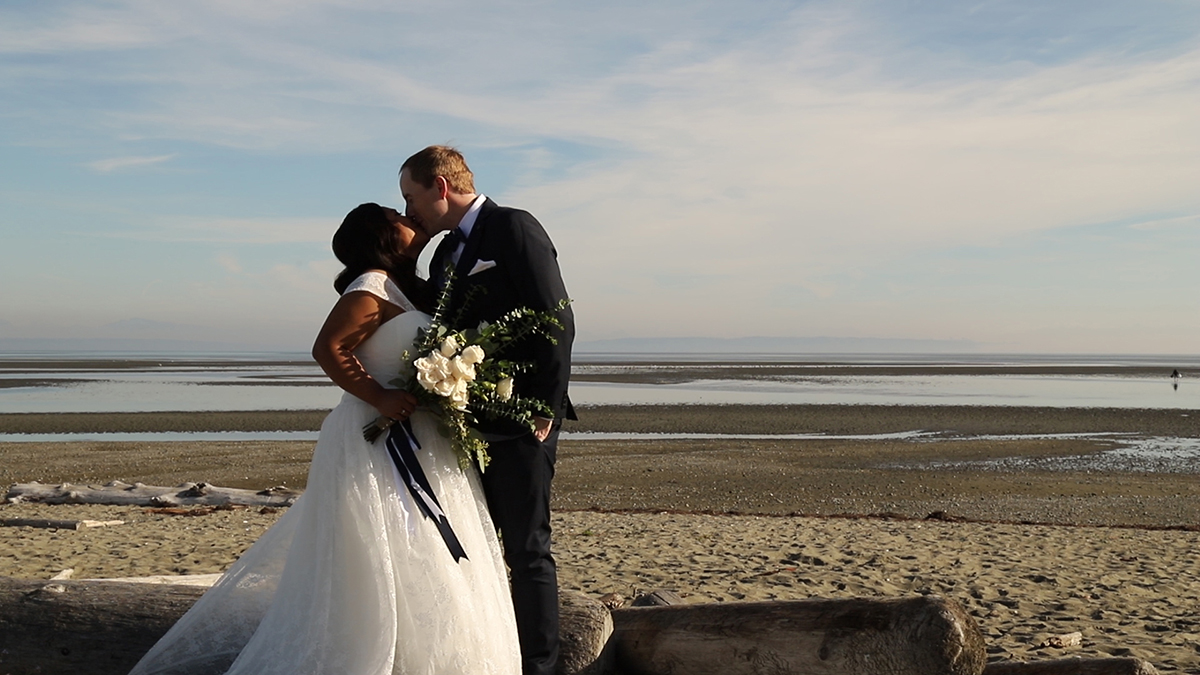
(402, 446)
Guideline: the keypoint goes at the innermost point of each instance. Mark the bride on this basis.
(353, 580)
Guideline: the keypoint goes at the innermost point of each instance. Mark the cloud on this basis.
(229, 263)
(77, 28)
(771, 168)
(119, 163)
(233, 231)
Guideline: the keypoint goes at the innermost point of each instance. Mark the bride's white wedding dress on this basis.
(353, 580)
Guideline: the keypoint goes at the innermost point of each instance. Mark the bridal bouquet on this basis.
(456, 374)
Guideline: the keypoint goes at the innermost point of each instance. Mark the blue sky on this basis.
(1021, 175)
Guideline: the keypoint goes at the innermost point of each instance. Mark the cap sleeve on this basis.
(381, 286)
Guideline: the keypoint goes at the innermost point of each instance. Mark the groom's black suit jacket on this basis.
(525, 274)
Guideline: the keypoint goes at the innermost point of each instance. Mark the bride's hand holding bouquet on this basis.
(457, 375)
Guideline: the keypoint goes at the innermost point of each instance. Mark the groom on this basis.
(503, 260)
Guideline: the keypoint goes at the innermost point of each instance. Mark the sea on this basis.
(57, 382)
(122, 382)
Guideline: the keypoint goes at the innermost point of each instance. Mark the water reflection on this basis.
(122, 387)
(1059, 391)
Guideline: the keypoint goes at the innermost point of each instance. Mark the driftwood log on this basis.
(123, 494)
(49, 524)
(586, 625)
(1075, 666)
(925, 635)
(84, 627)
(103, 628)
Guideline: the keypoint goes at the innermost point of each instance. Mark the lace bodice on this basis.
(381, 354)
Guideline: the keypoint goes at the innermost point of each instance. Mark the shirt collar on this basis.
(468, 220)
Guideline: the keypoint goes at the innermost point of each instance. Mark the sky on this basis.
(1017, 176)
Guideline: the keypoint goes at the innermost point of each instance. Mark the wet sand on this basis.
(726, 419)
(766, 477)
(734, 519)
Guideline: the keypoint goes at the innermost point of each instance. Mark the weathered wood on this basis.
(123, 494)
(103, 627)
(1075, 666)
(585, 626)
(57, 524)
(925, 635)
(659, 598)
(84, 627)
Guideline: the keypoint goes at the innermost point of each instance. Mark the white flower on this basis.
(444, 387)
(473, 354)
(460, 395)
(438, 366)
(504, 388)
(462, 370)
(449, 346)
(431, 370)
(426, 380)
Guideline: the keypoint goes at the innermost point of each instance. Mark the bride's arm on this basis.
(353, 319)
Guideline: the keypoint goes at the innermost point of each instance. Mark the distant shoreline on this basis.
(34, 360)
(713, 419)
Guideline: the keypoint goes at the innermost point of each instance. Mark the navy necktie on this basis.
(454, 237)
(445, 255)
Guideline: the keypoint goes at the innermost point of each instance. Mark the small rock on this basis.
(1062, 641)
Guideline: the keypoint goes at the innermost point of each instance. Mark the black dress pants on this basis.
(517, 486)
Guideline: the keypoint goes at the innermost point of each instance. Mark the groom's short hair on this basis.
(444, 161)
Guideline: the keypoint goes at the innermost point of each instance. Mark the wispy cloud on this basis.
(233, 231)
(120, 163)
(782, 165)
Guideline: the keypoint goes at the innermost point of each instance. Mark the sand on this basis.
(753, 520)
(1129, 592)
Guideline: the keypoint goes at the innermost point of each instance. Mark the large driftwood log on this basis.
(84, 627)
(1076, 666)
(585, 626)
(913, 636)
(122, 494)
(103, 628)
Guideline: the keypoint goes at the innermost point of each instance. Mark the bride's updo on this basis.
(369, 240)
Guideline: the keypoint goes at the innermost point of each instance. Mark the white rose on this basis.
(444, 387)
(449, 347)
(460, 395)
(439, 366)
(462, 370)
(504, 388)
(473, 354)
(427, 374)
(426, 380)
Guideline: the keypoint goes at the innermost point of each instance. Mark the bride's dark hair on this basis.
(369, 240)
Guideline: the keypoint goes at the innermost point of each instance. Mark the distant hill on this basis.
(773, 345)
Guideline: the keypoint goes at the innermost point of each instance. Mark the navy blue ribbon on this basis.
(402, 447)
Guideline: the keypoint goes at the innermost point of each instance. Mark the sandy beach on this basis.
(727, 520)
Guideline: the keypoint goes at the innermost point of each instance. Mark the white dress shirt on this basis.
(465, 226)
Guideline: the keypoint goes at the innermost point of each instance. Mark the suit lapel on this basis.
(470, 252)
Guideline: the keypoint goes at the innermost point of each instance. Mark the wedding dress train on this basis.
(353, 580)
